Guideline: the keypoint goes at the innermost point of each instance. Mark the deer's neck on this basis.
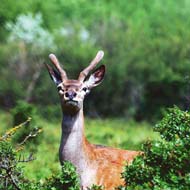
(75, 148)
(72, 147)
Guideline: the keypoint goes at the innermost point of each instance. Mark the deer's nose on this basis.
(70, 95)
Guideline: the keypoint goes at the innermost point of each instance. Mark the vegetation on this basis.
(165, 163)
(11, 173)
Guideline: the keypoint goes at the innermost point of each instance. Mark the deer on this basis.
(95, 164)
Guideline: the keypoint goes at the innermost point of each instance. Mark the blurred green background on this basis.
(146, 44)
(147, 55)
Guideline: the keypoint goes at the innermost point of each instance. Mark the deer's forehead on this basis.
(72, 84)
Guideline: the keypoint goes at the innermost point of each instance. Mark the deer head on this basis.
(73, 92)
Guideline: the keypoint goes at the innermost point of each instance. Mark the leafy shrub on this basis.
(67, 179)
(165, 164)
(11, 175)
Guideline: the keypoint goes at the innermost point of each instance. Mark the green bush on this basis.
(11, 174)
(66, 179)
(165, 164)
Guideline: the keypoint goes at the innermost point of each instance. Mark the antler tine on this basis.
(55, 62)
(94, 62)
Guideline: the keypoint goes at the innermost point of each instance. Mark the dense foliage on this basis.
(165, 164)
(11, 175)
(146, 46)
(11, 167)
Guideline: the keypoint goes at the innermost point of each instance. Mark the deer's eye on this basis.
(84, 89)
(60, 88)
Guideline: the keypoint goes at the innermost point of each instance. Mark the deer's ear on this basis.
(96, 77)
(54, 74)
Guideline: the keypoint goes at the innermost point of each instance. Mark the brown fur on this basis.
(109, 163)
